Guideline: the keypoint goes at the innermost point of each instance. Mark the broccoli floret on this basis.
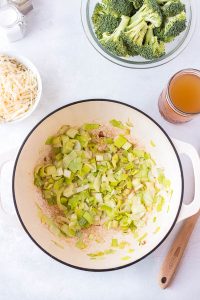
(137, 3)
(134, 35)
(114, 42)
(171, 27)
(149, 12)
(119, 7)
(97, 13)
(102, 21)
(152, 48)
(172, 8)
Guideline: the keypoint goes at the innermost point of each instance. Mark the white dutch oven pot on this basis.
(166, 153)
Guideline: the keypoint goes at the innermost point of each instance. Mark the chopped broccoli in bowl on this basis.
(104, 21)
(114, 42)
(121, 27)
(122, 7)
(137, 3)
(149, 12)
(152, 47)
(134, 36)
(172, 8)
(171, 27)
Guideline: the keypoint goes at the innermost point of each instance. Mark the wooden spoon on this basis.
(176, 251)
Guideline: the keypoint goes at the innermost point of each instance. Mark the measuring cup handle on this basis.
(190, 209)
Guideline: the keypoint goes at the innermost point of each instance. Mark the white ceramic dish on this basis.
(173, 49)
(25, 61)
(145, 129)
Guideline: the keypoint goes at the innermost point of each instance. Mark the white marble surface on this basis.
(71, 69)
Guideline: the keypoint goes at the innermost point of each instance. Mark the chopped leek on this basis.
(123, 244)
(114, 243)
(126, 258)
(101, 253)
(142, 237)
(67, 173)
(130, 250)
(72, 132)
(152, 143)
(90, 127)
(97, 179)
(117, 123)
(81, 245)
(120, 141)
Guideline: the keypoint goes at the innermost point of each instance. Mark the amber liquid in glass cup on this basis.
(180, 100)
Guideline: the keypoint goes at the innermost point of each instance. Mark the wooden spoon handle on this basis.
(176, 251)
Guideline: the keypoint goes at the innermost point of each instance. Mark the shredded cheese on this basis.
(18, 89)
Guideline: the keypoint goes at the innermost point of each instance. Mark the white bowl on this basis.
(25, 61)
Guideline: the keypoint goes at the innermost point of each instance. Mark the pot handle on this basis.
(188, 210)
(4, 158)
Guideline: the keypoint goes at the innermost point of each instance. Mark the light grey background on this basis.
(72, 70)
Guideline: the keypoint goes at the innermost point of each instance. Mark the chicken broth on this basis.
(184, 92)
(179, 102)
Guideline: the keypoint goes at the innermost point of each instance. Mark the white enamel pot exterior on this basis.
(145, 129)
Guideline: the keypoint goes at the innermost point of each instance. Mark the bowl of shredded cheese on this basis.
(20, 88)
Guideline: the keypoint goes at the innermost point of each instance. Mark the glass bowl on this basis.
(173, 49)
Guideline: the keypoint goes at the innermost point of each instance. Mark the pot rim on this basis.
(15, 202)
